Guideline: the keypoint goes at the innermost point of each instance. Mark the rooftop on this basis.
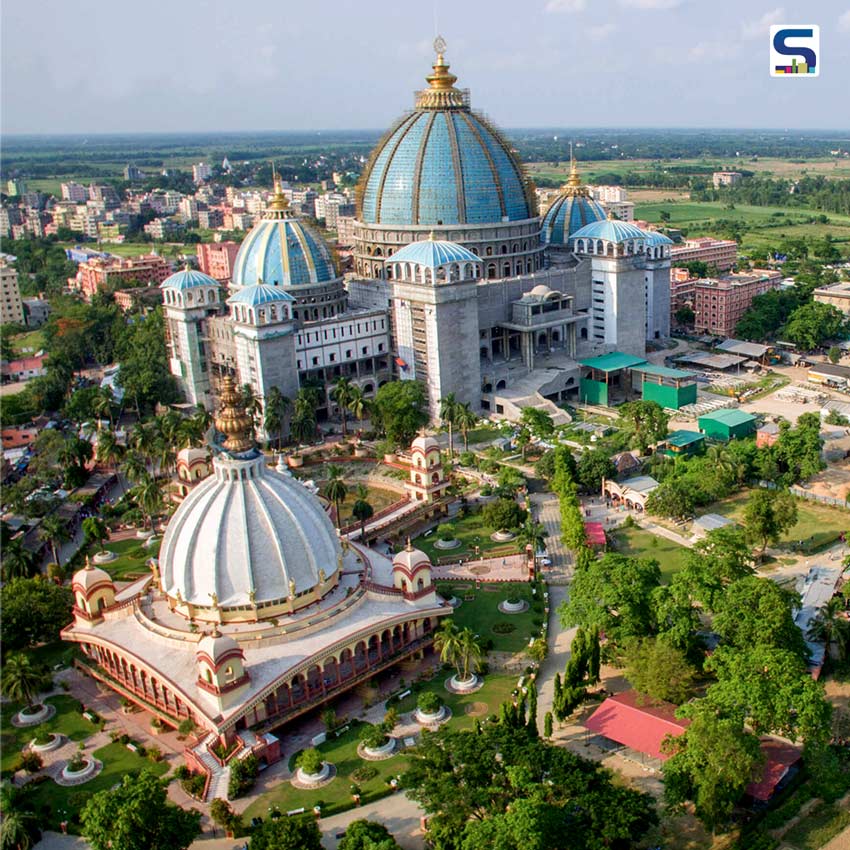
(728, 416)
(662, 371)
(612, 362)
(683, 438)
(747, 349)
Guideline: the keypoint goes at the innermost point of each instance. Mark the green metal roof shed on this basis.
(727, 425)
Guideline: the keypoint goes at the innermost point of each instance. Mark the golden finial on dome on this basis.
(610, 215)
(442, 93)
(279, 201)
(573, 185)
(233, 420)
(409, 547)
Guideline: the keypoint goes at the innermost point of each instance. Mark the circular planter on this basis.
(446, 544)
(432, 718)
(507, 607)
(22, 718)
(377, 753)
(464, 686)
(295, 462)
(502, 536)
(54, 743)
(104, 557)
(77, 777)
(308, 781)
(144, 534)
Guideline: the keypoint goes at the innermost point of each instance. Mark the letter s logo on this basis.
(807, 53)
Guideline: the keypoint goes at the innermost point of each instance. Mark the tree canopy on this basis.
(399, 411)
(367, 835)
(768, 514)
(646, 421)
(289, 833)
(34, 611)
(812, 324)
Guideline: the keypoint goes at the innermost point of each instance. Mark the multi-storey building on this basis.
(837, 295)
(726, 178)
(216, 259)
(681, 291)
(187, 209)
(719, 303)
(201, 172)
(75, 192)
(99, 273)
(160, 228)
(720, 253)
(11, 307)
(210, 219)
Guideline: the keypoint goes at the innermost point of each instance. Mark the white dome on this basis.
(216, 646)
(424, 444)
(244, 534)
(410, 559)
(89, 576)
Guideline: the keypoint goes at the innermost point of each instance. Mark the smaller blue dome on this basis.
(569, 212)
(654, 238)
(610, 230)
(433, 253)
(259, 294)
(188, 279)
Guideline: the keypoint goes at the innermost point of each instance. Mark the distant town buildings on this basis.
(201, 172)
(75, 192)
(721, 253)
(719, 303)
(216, 259)
(11, 307)
(726, 178)
(101, 273)
(36, 311)
(132, 173)
(837, 295)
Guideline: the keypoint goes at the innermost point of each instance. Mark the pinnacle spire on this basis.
(233, 420)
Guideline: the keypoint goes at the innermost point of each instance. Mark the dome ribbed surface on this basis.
(610, 230)
(188, 279)
(443, 167)
(259, 294)
(255, 532)
(568, 214)
(433, 253)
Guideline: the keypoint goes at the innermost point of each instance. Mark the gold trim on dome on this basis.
(442, 94)
(279, 201)
(573, 187)
(233, 420)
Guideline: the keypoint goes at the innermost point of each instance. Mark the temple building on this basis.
(256, 611)
(459, 282)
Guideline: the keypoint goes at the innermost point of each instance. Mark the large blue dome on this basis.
(282, 251)
(568, 214)
(442, 164)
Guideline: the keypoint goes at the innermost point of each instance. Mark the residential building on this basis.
(210, 219)
(201, 172)
(726, 178)
(719, 303)
(25, 368)
(161, 228)
(106, 194)
(75, 192)
(623, 210)
(36, 311)
(101, 273)
(216, 259)
(682, 291)
(11, 307)
(188, 210)
(138, 297)
(345, 230)
(608, 194)
(133, 173)
(836, 295)
(720, 253)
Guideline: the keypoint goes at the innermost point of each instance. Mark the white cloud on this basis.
(651, 4)
(570, 6)
(600, 32)
(761, 27)
(844, 21)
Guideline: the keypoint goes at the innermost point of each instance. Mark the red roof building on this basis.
(595, 534)
(781, 762)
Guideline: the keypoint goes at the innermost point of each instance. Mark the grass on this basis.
(68, 721)
(640, 543)
(378, 498)
(481, 613)
(818, 827)
(25, 345)
(817, 525)
(55, 803)
(51, 655)
(132, 558)
(471, 531)
(336, 796)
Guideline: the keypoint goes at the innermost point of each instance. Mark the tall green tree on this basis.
(138, 816)
(34, 611)
(466, 420)
(95, 530)
(362, 509)
(659, 670)
(767, 515)
(593, 466)
(358, 404)
(539, 422)
(449, 407)
(287, 833)
(341, 393)
(832, 628)
(646, 421)
(399, 411)
(811, 324)
(276, 405)
(367, 835)
(54, 530)
(302, 426)
(22, 679)
(335, 490)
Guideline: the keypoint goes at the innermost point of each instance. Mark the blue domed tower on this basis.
(447, 169)
(281, 250)
(570, 211)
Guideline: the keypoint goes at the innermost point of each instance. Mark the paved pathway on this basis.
(546, 510)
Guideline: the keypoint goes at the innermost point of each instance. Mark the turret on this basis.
(221, 668)
(93, 590)
(411, 570)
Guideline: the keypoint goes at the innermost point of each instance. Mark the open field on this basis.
(643, 544)
(817, 525)
(25, 345)
(479, 610)
(169, 250)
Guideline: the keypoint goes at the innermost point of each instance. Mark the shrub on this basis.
(467, 459)
(42, 736)
(372, 736)
(364, 774)
(513, 599)
(429, 702)
(243, 775)
(186, 726)
(486, 490)
(77, 762)
(194, 784)
(311, 761)
(222, 813)
(154, 754)
(504, 628)
(30, 761)
(446, 532)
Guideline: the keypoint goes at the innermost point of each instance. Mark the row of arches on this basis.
(604, 248)
(261, 315)
(190, 297)
(417, 273)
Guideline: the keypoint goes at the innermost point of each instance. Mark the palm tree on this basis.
(830, 626)
(341, 394)
(362, 509)
(22, 680)
(102, 406)
(465, 420)
(109, 451)
(19, 830)
(303, 424)
(251, 402)
(53, 529)
(148, 496)
(532, 534)
(358, 404)
(142, 440)
(335, 489)
(165, 453)
(95, 530)
(134, 466)
(449, 407)
(276, 406)
(460, 648)
(18, 561)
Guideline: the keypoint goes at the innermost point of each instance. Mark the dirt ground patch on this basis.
(476, 709)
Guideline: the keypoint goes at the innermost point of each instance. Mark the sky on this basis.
(90, 66)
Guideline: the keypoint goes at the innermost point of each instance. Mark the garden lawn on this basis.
(336, 796)
(643, 544)
(378, 498)
(481, 613)
(27, 344)
(818, 827)
(68, 720)
(471, 531)
(133, 558)
(55, 803)
(817, 525)
(466, 708)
